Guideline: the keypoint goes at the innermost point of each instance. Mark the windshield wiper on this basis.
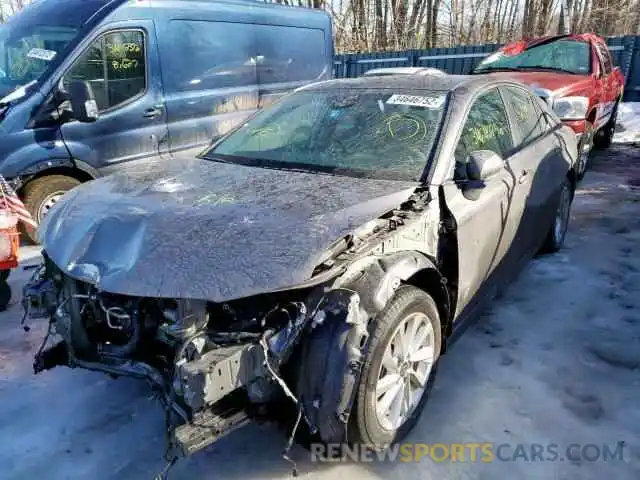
(551, 69)
(17, 93)
(534, 68)
(495, 69)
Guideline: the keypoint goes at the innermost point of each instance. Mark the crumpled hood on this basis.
(558, 84)
(190, 228)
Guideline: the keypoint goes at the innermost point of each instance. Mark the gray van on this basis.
(88, 84)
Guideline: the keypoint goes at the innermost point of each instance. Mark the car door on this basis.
(534, 162)
(482, 212)
(121, 65)
(609, 82)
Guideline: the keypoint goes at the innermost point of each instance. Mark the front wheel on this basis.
(560, 224)
(584, 150)
(41, 194)
(399, 370)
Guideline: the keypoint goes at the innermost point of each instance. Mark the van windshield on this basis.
(25, 53)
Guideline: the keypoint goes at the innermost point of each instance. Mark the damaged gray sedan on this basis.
(322, 254)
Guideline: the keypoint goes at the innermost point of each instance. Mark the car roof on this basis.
(444, 83)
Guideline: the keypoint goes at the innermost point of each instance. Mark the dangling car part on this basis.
(322, 253)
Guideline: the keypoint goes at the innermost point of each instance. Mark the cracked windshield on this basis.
(374, 134)
(568, 56)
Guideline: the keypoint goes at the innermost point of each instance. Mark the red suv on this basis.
(575, 75)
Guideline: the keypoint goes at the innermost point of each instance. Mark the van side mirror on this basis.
(483, 164)
(83, 102)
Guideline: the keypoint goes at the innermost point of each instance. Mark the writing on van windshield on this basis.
(121, 49)
(124, 56)
(124, 64)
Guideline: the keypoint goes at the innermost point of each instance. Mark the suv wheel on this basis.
(399, 370)
(584, 150)
(40, 195)
(604, 136)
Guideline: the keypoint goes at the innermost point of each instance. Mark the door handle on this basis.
(152, 112)
(523, 176)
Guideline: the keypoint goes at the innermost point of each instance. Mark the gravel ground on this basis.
(555, 360)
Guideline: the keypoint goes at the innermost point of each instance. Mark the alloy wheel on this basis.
(404, 372)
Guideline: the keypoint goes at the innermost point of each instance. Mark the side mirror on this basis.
(483, 164)
(83, 102)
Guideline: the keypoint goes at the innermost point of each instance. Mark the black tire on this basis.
(584, 151)
(364, 426)
(5, 295)
(604, 136)
(555, 237)
(37, 192)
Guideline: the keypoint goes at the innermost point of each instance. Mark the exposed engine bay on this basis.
(212, 365)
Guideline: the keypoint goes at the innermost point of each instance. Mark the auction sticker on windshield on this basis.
(426, 101)
(41, 54)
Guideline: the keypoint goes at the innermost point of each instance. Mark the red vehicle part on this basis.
(594, 91)
(9, 247)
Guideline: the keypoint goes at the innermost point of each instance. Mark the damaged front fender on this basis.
(334, 352)
(332, 357)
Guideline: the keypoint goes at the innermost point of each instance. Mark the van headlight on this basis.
(571, 108)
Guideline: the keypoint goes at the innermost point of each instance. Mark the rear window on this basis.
(210, 55)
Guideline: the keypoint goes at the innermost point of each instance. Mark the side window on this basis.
(486, 128)
(283, 54)
(542, 110)
(207, 55)
(115, 67)
(605, 58)
(527, 120)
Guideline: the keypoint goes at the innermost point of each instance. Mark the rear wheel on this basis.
(604, 136)
(41, 194)
(558, 230)
(399, 370)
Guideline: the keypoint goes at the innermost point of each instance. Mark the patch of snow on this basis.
(628, 123)
(555, 360)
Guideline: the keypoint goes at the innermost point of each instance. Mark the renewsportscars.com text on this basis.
(472, 452)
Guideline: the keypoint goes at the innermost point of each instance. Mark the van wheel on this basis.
(399, 370)
(41, 194)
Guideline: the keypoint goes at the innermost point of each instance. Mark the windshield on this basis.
(570, 56)
(368, 133)
(25, 53)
